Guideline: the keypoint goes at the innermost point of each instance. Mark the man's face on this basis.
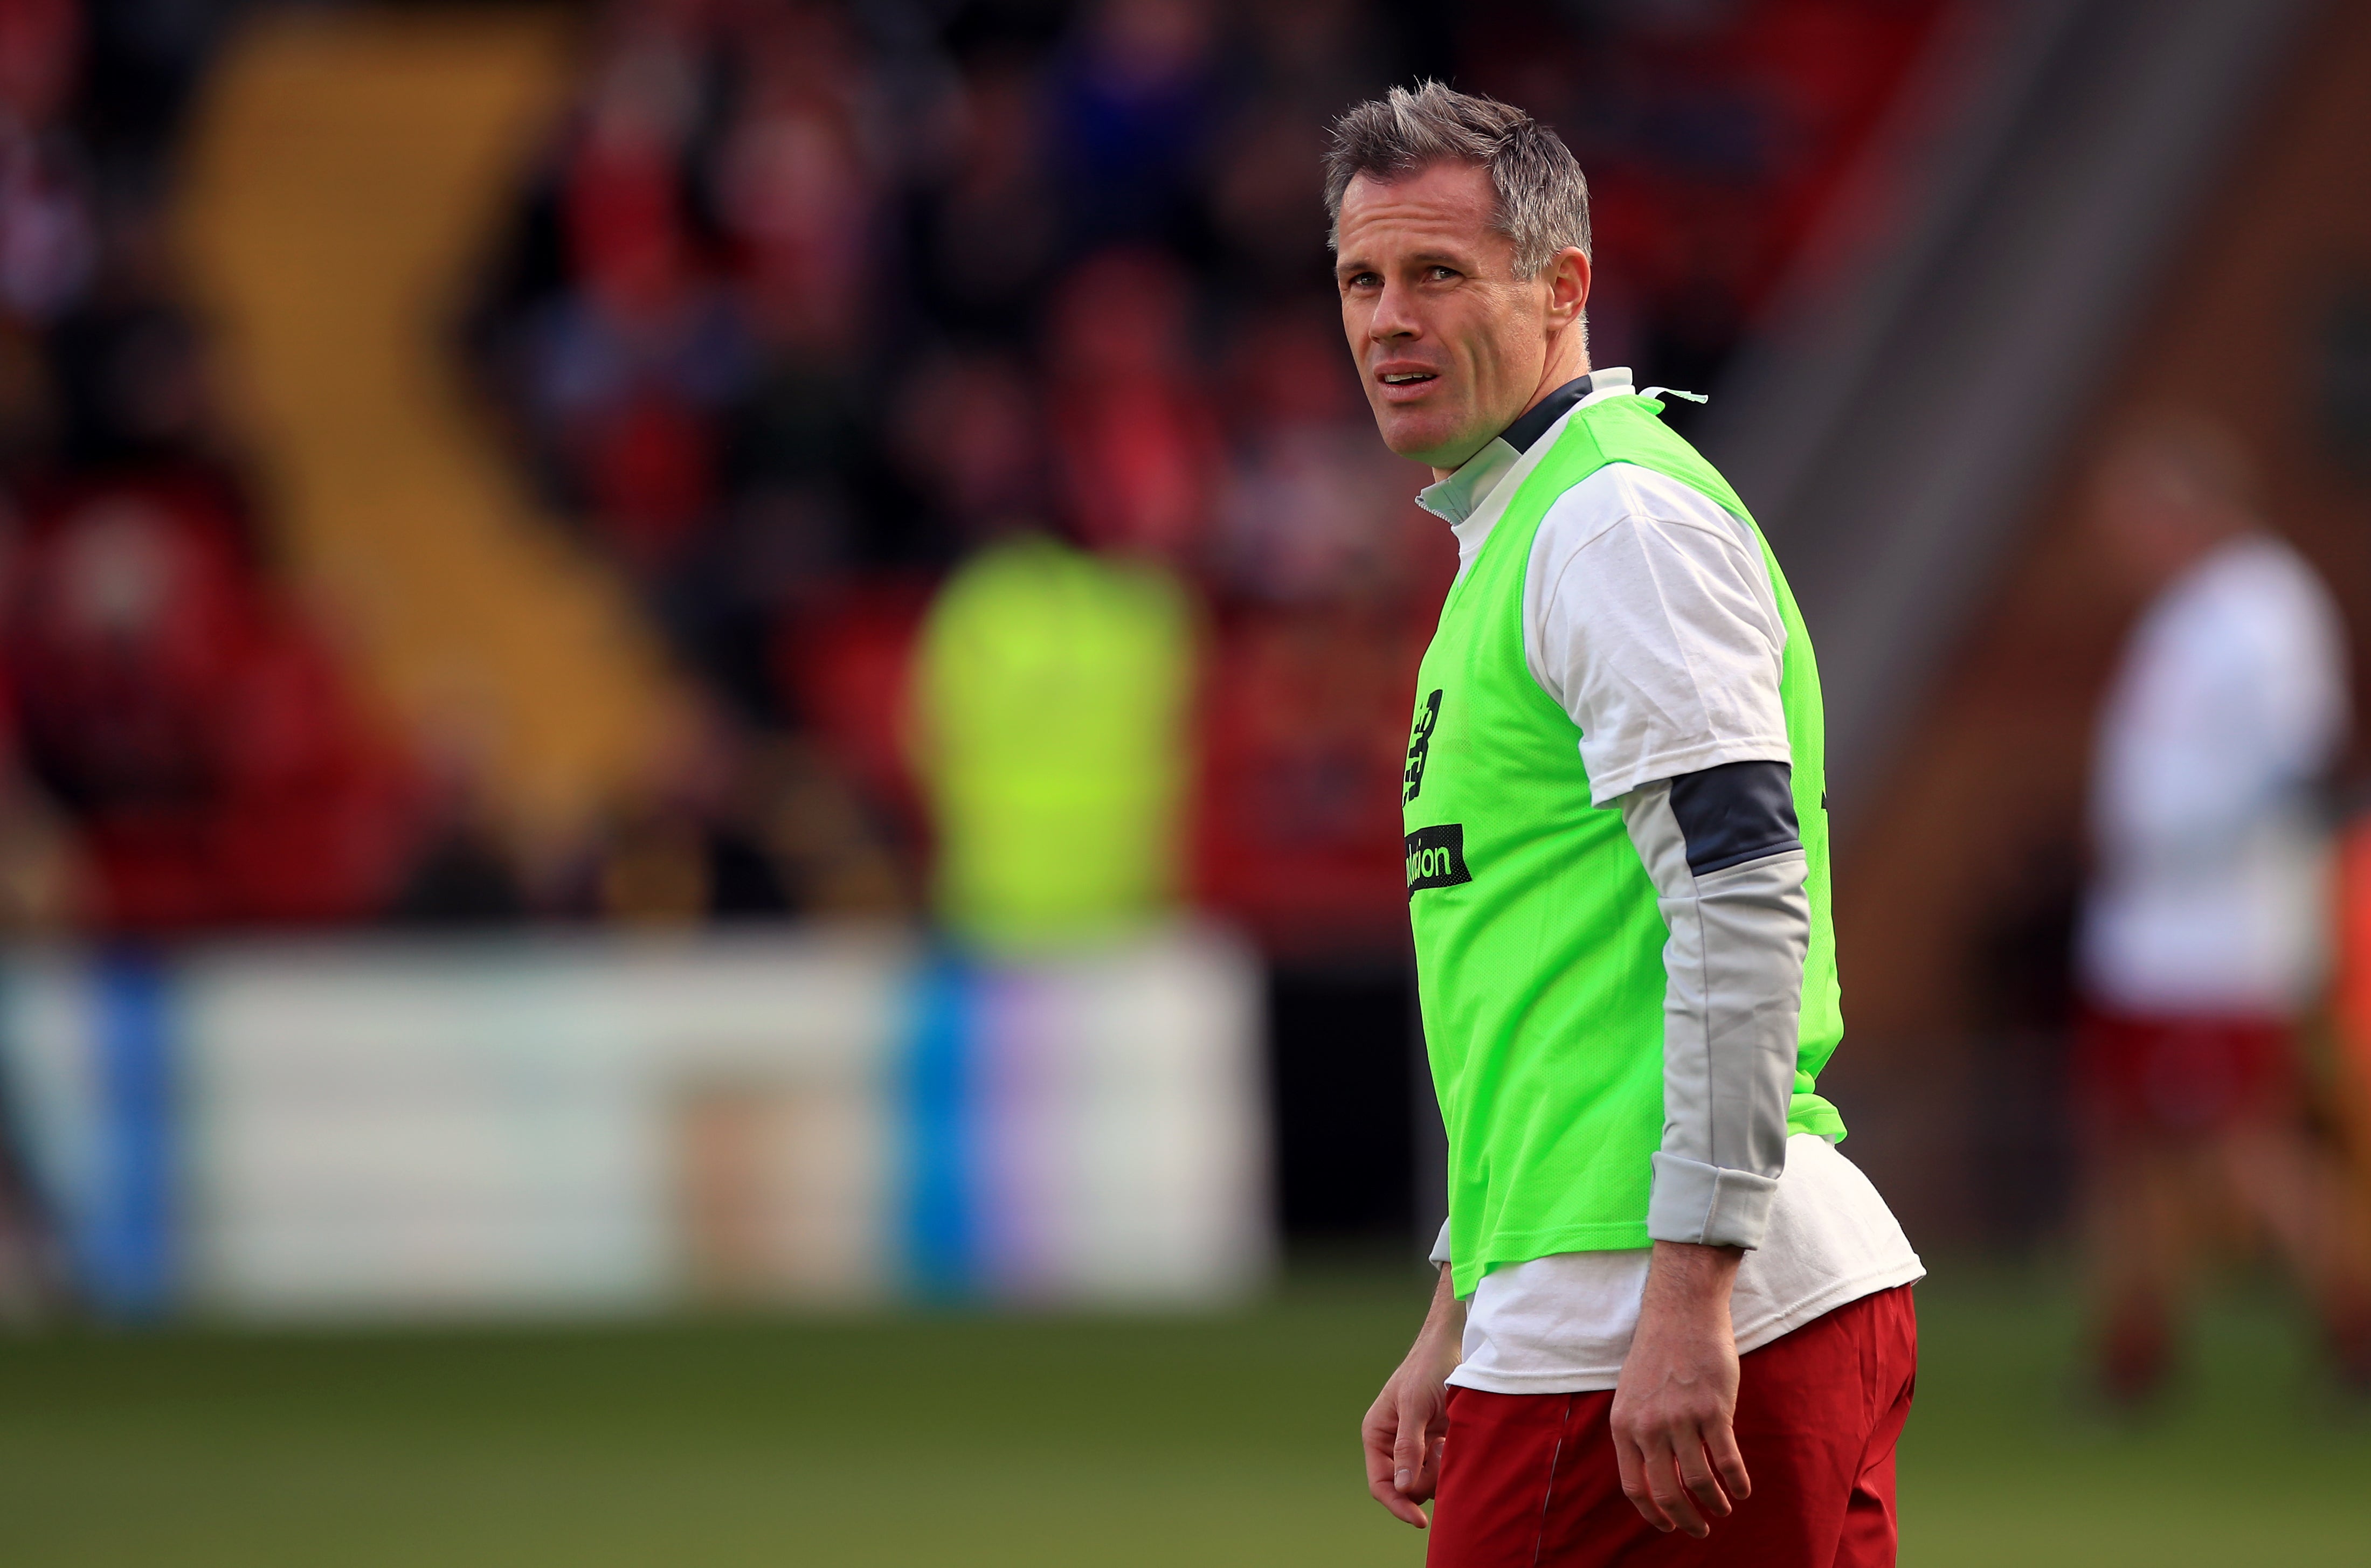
(1450, 344)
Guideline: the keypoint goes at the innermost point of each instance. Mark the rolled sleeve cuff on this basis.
(1708, 1204)
(1440, 1253)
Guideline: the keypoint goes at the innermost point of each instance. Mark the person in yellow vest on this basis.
(1051, 696)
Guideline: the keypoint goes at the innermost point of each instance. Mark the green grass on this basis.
(972, 1440)
(2252, 1458)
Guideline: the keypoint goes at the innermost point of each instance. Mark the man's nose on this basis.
(1393, 317)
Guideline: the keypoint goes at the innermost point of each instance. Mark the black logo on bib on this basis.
(1420, 745)
(1436, 857)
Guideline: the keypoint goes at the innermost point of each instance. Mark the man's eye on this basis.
(1442, 275)
(1365, 280)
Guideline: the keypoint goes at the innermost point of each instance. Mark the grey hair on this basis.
(1542, 199)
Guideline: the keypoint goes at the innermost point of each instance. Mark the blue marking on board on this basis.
(127, 1249)
(941, 1229)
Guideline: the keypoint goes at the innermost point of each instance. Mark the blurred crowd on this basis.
(805, 305)
(182, 748)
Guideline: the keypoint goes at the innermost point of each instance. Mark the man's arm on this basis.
(1725, 856)
(1403, 1431)
(1723, 850)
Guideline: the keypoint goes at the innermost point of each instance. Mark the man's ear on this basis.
(1568, 278)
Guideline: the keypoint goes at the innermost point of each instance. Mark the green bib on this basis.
(1539, 940)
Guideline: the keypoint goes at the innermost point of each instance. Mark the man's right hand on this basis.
(1406, 1425)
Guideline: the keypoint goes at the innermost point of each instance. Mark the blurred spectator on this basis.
(969, 432)
(1134, 99)
(793, 188)
(2204, 936)
(1050, 707)
(1136, 445)
(1295, 838)
(1317, 57)
(197, 732)
(48, 230)
(846, 669)
(1311, 511)
(636, 362)
(990, 225)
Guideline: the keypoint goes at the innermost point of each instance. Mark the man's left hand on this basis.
(1675, 1407)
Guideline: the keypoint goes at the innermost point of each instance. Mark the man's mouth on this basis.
(1402, 377)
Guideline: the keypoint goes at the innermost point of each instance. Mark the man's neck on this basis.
(1549, 382)
(1557, 375)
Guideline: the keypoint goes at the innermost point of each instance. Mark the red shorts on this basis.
(2182, 1075)
(1530, 1479)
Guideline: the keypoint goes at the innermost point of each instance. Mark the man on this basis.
(1617, 877)
(2204, 932)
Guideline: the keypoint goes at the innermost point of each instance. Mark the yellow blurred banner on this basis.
(347, 171)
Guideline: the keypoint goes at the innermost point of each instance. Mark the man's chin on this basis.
(1430, 448)
(1429, 444)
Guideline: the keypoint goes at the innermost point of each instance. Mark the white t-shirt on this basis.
(2212, 882)
(1562, 1323)
(1646, 607)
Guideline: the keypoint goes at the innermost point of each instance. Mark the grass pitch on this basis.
(975, 1440)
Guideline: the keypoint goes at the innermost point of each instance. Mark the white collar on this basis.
(1475, 481)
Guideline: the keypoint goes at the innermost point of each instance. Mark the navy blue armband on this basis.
(1735, 813)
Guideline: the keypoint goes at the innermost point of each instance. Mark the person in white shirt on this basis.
(1736, 1364)
(1648, 616)
(2203, 933)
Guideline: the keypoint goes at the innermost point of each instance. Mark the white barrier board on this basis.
(600, 1123)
